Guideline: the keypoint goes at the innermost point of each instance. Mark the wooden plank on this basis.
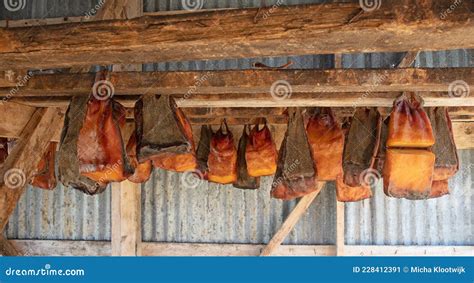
(63, 248)
(464, 134)
(14, 118)
(8, 248)
(22, 161)
(112, 10)
(11, 78)
(84, 19)
(291, 221)
(292, 30)
(102, 248)
(410, 250)
(126, 219)
(367, 82)
(197, 249)
(264, 100)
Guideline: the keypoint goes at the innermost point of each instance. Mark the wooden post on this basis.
(291, 221)
(126, 219)
(126, 196)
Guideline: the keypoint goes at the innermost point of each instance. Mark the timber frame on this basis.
(121, 34)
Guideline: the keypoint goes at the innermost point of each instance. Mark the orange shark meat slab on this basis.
(222, 160)
(409, 125)
(101, 150)
(261, 153)
(327, 144)
(142, 170)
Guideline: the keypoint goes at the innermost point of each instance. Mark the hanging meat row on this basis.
(412, 150)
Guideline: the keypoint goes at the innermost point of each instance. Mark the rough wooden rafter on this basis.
(396, 26)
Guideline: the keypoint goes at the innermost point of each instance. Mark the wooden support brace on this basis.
(8, 248)
(20, 165)
(291, 221)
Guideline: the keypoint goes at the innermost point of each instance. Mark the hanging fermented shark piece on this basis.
(92, 152)
(244, 180)
(261, 153)
(439, 188)
(362, 140)
(327, 143)
(408, 173)
(447, 162)
(345, 193)
(409, 125)
(164, 135)
(361, 145)
(101, 149)
(68, 161)
(44, 177)
(380, 159)
(409, 165)
(202, 153)
(296, 174)
(222, 160)
(142, 170)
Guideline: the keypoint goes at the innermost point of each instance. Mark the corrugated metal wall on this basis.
(63, 213)
(174, 211)
(212, 213)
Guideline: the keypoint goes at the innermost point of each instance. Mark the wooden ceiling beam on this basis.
(330, 28)
(254, 88)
